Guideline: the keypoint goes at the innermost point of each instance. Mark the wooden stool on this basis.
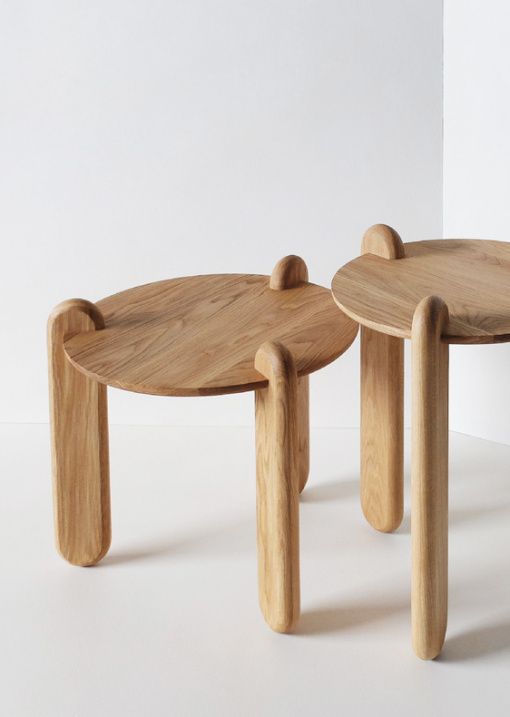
(435, 293)
(195, 336)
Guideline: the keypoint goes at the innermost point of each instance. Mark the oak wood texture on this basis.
(289, 272)
(390, 290)
(382, 406)
(79, 441)
(196, 336)
(429, 477)
(199, 335)
(470, 275)
(384, 241)
(382, 429)
(276, 411)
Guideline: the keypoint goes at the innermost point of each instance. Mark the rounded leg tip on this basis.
(283, 621)
(85, 559)
(284, 628)
(384, 524)
(390, 526)
(427, 654)
(428, 650)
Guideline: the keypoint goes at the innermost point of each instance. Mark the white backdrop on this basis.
(476, 188)
(143, 140)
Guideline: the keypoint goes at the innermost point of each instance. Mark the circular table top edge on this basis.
(398, 332)
(207, 390)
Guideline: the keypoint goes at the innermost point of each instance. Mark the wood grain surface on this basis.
(79, 442)
(429, 477)
(471, 275)
(382, 429)
(382, 406)
(199, 335)
(276, 413)
(289, 272)
(384, 241)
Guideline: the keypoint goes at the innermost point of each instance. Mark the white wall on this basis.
(143, 140)
(476, 187)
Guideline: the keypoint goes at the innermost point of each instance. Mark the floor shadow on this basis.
(228, 539)
(136, 555)
(332, 490)
(474, 644)
(342, 617)
(405, 526)
(459, 516)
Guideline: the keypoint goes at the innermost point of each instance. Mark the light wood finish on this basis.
(470, 275)
(290, 271)
(429, 506)
(199, 335)
(400, 299)
(276, 408)
(79, 441)
(303, 449)
(382, 429)
(382, 406)
(384, 241)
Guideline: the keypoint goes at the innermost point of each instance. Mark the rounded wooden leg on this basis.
(382, 430)
(429, 516)
(276, 409)
(79, 441)
(303, 408)
(289, 272)
(382, 406)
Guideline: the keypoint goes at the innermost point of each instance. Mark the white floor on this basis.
(168, 623)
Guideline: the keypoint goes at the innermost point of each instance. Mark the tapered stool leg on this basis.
(276, 409)
(79, 440)
(382, 429)
(429, 511)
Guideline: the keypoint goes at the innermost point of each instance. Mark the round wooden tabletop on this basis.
(472, 276)
(199, 335)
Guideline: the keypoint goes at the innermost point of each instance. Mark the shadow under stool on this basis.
(435, 293)
(195, 336)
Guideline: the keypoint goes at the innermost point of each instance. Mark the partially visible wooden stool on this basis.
(435, 293)
(195, 336)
